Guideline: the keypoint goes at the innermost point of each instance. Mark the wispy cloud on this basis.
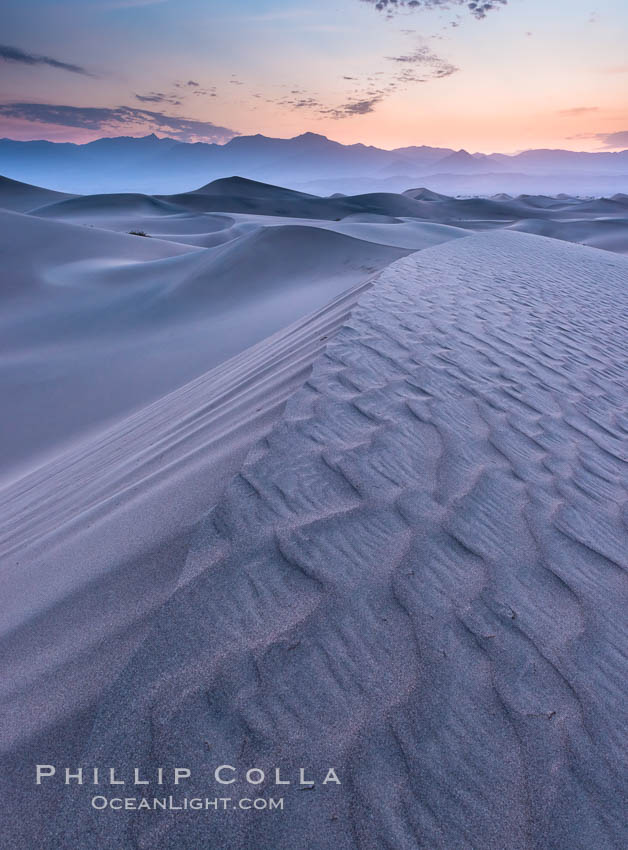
(578, 110)
(15, 54)
(195, 88)
(356, 107)
(158, 97)
(419, 65)
(423, 57)
(118, 119)
(478, 9)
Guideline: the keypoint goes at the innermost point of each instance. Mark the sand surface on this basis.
(22, 197)
(407, 563)
(96, 324)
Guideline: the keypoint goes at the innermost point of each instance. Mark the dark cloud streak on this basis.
(120, 119)
(14, 54)
(158, 97)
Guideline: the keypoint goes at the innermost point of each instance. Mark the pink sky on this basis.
(528, 74)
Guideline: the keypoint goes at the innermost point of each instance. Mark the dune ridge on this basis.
(418, 576)
(22, 197)
(77, 510)
(230, 207)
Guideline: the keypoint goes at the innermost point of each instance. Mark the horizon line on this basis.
(307, 133)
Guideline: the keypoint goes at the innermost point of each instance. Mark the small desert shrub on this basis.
(138, 233)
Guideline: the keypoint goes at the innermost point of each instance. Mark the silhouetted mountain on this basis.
(310, 161)
(550, 160)
(462, 162)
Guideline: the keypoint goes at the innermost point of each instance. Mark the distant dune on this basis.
(22, 197)
(96, 323)
(608, 234)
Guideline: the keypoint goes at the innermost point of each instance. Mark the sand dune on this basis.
(154, 472)
(407, 563)
(106, 206)
(236, 194)
(610, 234)
(209, 230)
(99, 324)
(418, 577)
(231, 207)
(22, 197)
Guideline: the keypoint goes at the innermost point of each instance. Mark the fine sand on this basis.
(407, 562)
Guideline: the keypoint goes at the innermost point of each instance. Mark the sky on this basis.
(491, 75)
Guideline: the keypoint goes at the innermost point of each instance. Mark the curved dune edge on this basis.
(419, 577)
(93, 541)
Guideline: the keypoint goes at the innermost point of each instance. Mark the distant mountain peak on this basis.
(310, 135)
(465, 162)
(461, 155)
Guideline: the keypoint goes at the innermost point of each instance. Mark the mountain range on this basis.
(309, 162)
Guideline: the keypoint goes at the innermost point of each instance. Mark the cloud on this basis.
(14, 54)
(193, 87)
(618, 139)
(360, 104)
(419, 65)
(478, 8)
(423, 56)
(118, 119)
(578, 110)
(158, 97)
(357, 107)
(307, 103)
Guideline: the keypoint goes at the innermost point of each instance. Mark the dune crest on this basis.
(434, 535)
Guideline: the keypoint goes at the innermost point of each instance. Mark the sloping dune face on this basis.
(418, 578)
(609, 234)
(22, 197)
(96, 324)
